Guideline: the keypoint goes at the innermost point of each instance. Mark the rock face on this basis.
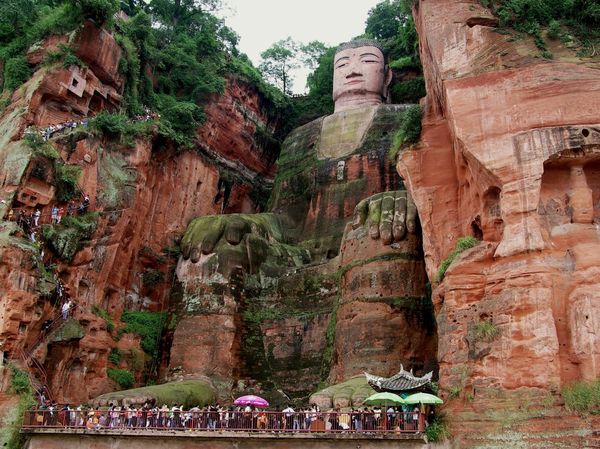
(508, 154)
(122, 258)
(291, 307)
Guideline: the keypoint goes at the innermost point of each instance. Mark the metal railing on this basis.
(256, 421)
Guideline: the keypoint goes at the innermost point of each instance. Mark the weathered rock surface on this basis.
(508, 154)
(290, 312)
(144, 198)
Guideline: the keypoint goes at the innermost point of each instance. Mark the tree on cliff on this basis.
(277, 63)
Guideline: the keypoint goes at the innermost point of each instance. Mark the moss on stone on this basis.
(189, 393)
(116, 180)
(354, 391)
(70, 330)
(68, 237)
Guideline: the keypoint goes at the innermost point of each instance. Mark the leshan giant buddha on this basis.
(335, 208)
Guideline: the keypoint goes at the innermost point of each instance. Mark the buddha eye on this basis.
(344, 64)
(369, 61)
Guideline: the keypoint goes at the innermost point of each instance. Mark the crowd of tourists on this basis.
(215, 417)
(51, 130)
(31, 220)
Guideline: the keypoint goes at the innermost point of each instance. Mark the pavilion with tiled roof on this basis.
(402, 381)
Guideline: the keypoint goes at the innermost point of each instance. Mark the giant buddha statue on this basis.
(337, 211)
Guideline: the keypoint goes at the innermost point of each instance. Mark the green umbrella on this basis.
(384, 398)
(422, 398)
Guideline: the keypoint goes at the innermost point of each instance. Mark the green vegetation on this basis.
(70, 330)
(486, 330)
(123, 377)
(409, 91)
(329, 341)
(11, 434)
(462, 244)
(409, 131)
(16, 72)
(103, 313)
(66, 178)
(40, 147)
(64, 54)
(152, 277)
(190, 393)
(437, 431)
(19, 381)
(149, 326)
(115, 356)
(25, 22)
(580, 19)
(69, 236)
(582, 397)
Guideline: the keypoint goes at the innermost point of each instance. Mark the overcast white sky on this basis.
(261, 23)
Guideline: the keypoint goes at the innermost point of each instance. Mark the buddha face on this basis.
(359, 77)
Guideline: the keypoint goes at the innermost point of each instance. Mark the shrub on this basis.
(147, 325)
(100, 11)
(115, 356)
(103, 313)
(409, 131)
(410, 91)
(151, 277)
(66, 180)
(123, 377)
(437, 431)
(107, 123)
(554, 30)
(582, 397)
(16, 72)
(462, 244)
(19, 382)
(12, 432)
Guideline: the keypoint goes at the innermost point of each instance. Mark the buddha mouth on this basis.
(353, 81)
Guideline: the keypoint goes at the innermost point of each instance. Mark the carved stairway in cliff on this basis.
(38, 377)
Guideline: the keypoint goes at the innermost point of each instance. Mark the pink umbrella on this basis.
(250, 399)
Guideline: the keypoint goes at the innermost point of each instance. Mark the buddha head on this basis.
(360, 75)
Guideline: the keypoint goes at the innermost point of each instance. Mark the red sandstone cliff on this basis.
(508, 154)
(145, 199)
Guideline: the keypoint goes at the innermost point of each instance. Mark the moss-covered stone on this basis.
(68, 237)
(351, 393)
(189, 393)
(116, 179)
(70, 330)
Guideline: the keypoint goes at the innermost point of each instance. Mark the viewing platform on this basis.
(236, 429)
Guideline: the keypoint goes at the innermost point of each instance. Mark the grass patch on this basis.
(462, 244)
(486, 330)
(582, 397)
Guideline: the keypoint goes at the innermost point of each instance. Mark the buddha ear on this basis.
(386, 84)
